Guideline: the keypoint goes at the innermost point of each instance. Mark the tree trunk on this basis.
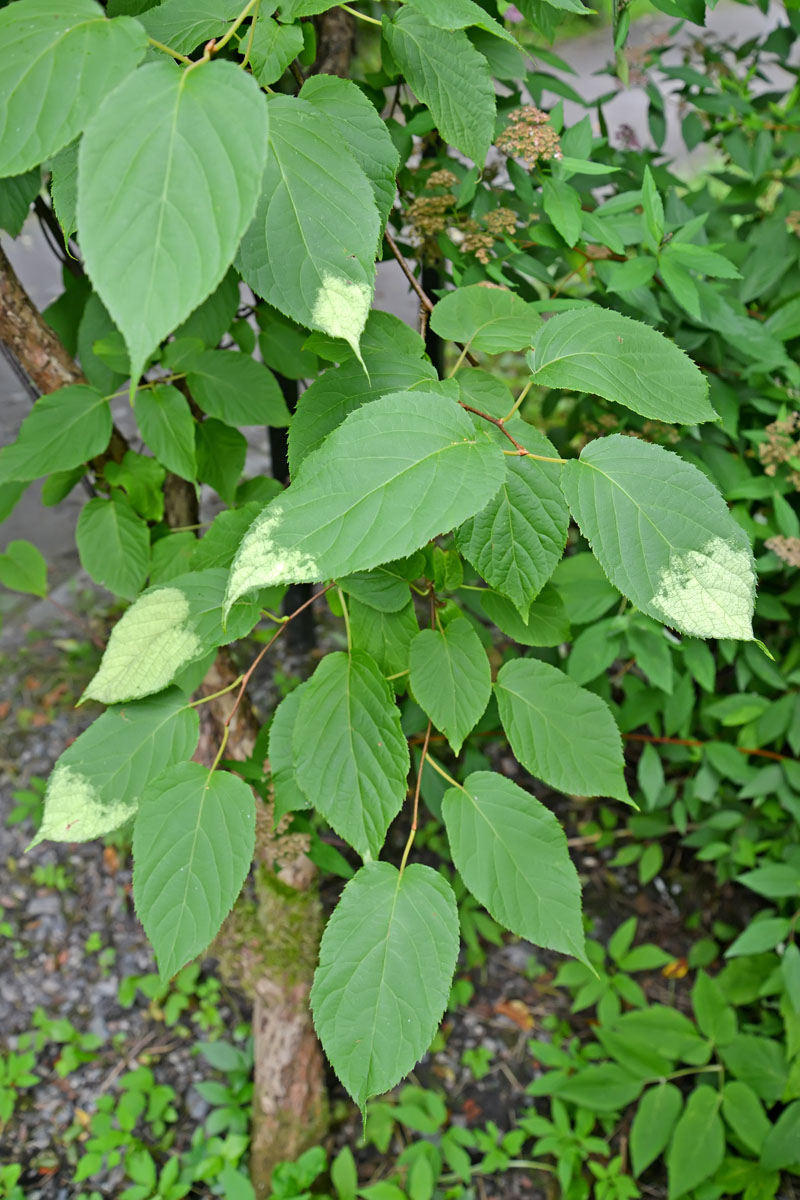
(269, 944)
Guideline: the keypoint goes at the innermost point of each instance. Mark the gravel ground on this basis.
(46, 661)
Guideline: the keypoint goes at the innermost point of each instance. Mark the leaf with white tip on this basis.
(167, 628)
(512, 854)
(310, 250)
(193, 843)
(386, 964)
(185, 150)
(355, 502)
(97, 782)
(664, 536)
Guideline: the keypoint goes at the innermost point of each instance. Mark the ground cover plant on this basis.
(538, 522)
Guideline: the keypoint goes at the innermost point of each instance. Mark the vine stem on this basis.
(251, 36)
(424, 298)
(244, 679)
(361, 16)
(441, 771)
(415, 814)
(346, 616)
(215, 695)
(498, 421)
(518, 401)
(167, 50)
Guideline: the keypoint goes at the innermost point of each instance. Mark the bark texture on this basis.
(336, 43)
(38, 351)
(269, 943)
(268, 949)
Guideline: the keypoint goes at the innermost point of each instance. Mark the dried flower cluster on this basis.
(781, 445)
(530, 136)
(502, 220)
(793, 222)
(787, 548)
(427, 214)
(477, 241)
(441, 179)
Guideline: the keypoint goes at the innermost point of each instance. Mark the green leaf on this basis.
(190, 148)
(385, 967)
(381, 459)
(541, 709)
(360, 127)
(97, 782)
(167, 426)
(349, 750)
(544, 623)
(449, 76)
(23, 569)
(774, 881)
(183, 25)
(142, 478)
(664, 536)
(599, 351)
(512, 854)
(698, 1143)
(385, 636)
(274, 47)
(460, 14)
(653, 208)
(193, 842)
(625, 277)
(760, 936)
(745, 1114)
(385, 588)
(17, 194)
(214, 317)
(451, 678)
(782, 1144)
(63, 430)
(655, 1118)
(341, 390)
(759, 1062)
(715, 1017)
(517, 540)
(221, 452)
(310, 250)
(59, 61)
(171, 555)
(64, 188)
(218, 545)
(582, 585)
(167, 628)
(562, 204)
(490, 319)
(114, 545)
(289, 796)
(234, 388)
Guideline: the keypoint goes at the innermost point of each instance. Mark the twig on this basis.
(413, 830)
(249, 672)
(424, 298)
(498, 421)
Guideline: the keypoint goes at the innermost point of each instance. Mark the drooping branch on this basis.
(37, 349)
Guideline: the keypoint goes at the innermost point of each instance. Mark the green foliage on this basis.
(658, 322)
